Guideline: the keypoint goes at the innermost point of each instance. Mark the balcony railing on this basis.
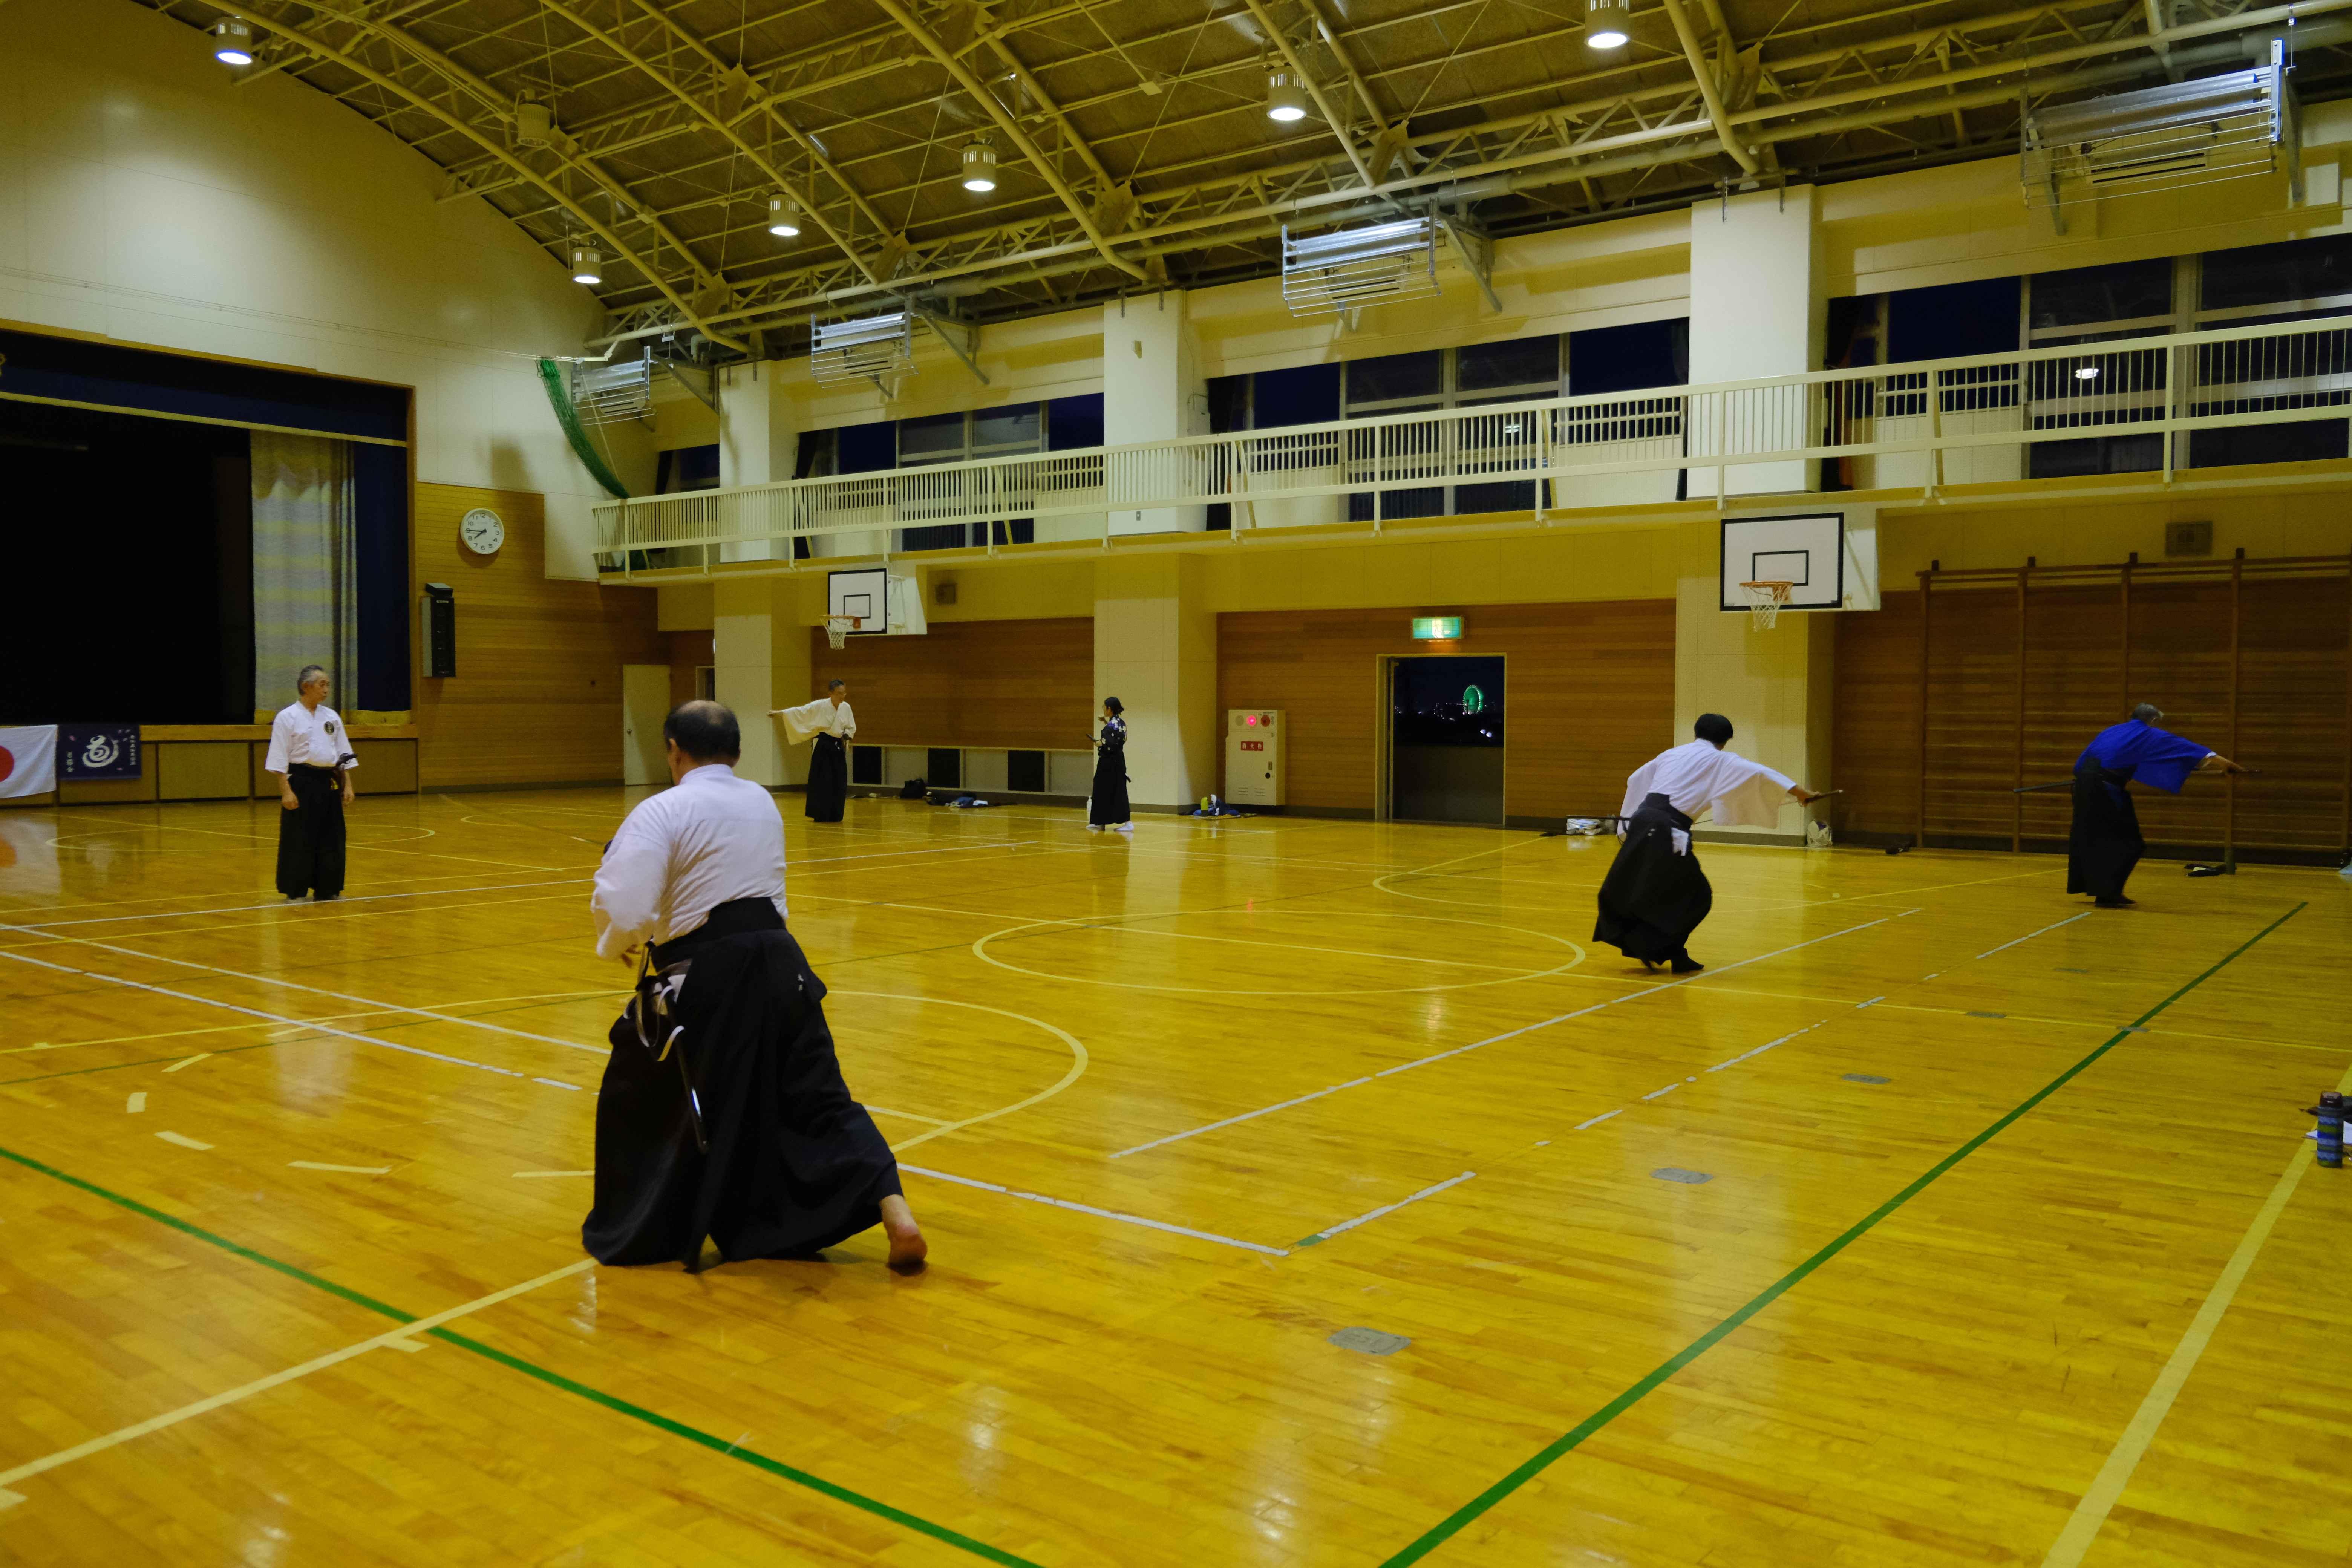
(1923, 425)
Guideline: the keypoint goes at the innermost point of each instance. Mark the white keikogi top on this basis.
(312, 736)
(1696, 776)
(821, 717)
(712, 838)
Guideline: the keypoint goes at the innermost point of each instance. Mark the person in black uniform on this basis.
(1108, 807)
(311, 752)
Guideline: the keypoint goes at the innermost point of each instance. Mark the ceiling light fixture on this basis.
(979, 167)
(1283, 102)
(232, 42)
(2087, 372)
(587, 265)
(1608, 23)
(784, 217)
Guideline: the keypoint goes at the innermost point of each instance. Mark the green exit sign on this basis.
(1436, 628)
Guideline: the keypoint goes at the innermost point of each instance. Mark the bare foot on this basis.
(907, 1247)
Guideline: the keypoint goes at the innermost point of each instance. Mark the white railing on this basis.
(1926, 426)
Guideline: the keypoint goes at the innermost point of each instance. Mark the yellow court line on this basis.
(12, 912)
(309, 921)
(276, 1379)
(2108, 1488)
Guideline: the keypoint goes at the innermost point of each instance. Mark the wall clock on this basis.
(482, 531)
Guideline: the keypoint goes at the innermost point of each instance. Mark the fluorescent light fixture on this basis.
(1283, 102)
(587, 265)
(2237, 125)
(979, 167)
(1608, 23)
(232, 42)
(2087, 372)
(784, 217)
(1354, 266)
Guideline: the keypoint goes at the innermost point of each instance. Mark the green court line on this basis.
(553, 1379)
(1544, 1457)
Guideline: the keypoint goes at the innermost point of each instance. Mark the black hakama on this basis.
(311, 836)
(1107, 806)
(795, 1164)
(2104, 843)
(828, 780)
(1653, 899)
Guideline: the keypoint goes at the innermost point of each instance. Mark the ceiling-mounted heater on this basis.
(2231, 127)
(608, 394)
(869, 348)
(1351, 267)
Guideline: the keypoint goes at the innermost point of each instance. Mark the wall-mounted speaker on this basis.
(437, 619)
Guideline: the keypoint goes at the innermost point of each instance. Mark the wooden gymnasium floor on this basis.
(290, 1269)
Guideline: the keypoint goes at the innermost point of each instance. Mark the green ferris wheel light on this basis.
(1473, 700)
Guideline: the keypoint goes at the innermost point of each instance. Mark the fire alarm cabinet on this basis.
(1254, 772)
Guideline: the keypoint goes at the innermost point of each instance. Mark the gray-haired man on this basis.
(311, 752)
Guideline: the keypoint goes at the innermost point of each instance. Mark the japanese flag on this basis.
(28, 759)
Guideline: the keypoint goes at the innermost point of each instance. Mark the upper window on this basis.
(2130, 291)
(2300, 272)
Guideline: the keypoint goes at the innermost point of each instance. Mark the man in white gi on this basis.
(723, 1113)
(831, 724)
(311, 752)
(1655, 895)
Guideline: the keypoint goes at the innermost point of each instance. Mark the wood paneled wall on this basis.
(1027, 685)
(1589, 694)
(2001, 708)
(537, 696)
(689, 652)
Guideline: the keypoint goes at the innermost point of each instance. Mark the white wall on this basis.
(146, 197)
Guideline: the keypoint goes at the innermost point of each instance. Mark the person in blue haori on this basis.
(2104, 844)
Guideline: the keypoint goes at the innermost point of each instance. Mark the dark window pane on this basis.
(931, 440)
(998, 428)
(865, 764)
(1228, 404)
(2089, 294)
(1025, 771)
(1525, 362)
(939, 536)
(1304, 394)
(2277, 274)
(1954, 321)
(866, 448)
(2301, 441)
(2096, 455)
(1621, 359)
(1516, 496)
(943, 769)
(1072, 423)
(1393, 376)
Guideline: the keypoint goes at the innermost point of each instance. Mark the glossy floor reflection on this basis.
(1867, 1245)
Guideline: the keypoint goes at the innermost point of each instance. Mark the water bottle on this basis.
(2330, 1111)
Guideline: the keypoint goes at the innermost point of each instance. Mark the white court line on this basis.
(1662, 1093)
(1597, 1120)
(1099, 1214)
(187, 1061)
(531, 1176)
(1765, 1047)
(257, 1013)
(136, 1103)
(315, 991)
(346, 1170)
(1346, 1225)
(2029, 936)
(1496, 1040)
(183, 1140)
(276, 1379)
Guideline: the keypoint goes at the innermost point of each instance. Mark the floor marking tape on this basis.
(1597, 1120)
(256, 1013)
(346, 1170)
(187, 1061)
(1347, 1225)
(2029, 936)
(558, 1083)
(1656, 1093)
(2107, 1488)
(528, 1176)
(263, 1384)
(1497, 1040)
(367, 1002)
(183, 1140)
(1558, 1448)
(1766, 1046)
(1102, 1214)
(136, 1103)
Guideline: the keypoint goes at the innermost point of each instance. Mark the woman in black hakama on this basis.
(1107, 806)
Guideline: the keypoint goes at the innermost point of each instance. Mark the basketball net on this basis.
(838, 627)
(1764, 602)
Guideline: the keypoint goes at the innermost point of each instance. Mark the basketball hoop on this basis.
(838, 627)
(1764, 602)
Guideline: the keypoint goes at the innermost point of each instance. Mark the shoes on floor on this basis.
(1094, 827)
(2115, 903)
(1122, 828)
(1687, 966)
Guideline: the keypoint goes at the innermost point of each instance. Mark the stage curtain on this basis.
(305, 567)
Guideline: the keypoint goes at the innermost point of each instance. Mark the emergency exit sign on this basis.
(1436, 628)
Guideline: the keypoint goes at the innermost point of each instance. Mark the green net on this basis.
(550, 375)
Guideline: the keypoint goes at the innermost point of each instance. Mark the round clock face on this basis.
(482, 532)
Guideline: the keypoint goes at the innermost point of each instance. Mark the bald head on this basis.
(704, 731)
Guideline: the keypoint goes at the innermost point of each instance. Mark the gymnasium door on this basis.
(644, 704)
(1445, 740)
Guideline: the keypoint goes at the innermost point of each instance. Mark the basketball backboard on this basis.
(1829, 559)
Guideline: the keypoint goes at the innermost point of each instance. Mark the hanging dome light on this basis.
(232, 42)
(979, 167)
(534, 123)
(784, 217)
(1607, 23)
(587, 265)
(1283, 102)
